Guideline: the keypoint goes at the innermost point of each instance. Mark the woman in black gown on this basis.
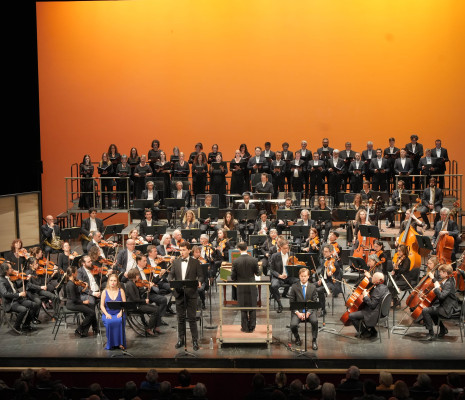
(163, 170)
(212, 155)
(237, 174)
(133, 161)
(86, 170)
(218, 180)
(141, 171)
(105, 169)
(245, 156)
(199, 174)
(123, 171)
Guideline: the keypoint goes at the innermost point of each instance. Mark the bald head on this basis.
(378, 277)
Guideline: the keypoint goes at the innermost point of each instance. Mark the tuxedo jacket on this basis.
(407, 168)
(194, 272)
(244, 269)
(374, 165)
(46, 232)
(353, 168)
(185, 195)
(339, 165)
(387, 153)
(372, 303)
(447, 297)
(301, 165)
(321, 150)
(253, 160)
(143, 227)
(347, 158)
(308, 155)
(85, 227)
(418, 149)
(276, 265)
(258, 225)
(423, 162)
(268, 188)
(365, 156)
(8, 294)
(438, 197)
(452, 229)
(315, 173)
(296, 294)
(281, 166)
(441, 164)
(145, 194)
(241, 206)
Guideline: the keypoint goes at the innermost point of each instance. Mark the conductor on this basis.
(300, 292)
(186, 268)
(244, 269)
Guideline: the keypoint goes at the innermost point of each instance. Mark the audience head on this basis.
(280, 379)
(328, 391)
(353, 372)
(400, 390)
(446, 393)
(423, 381)
(200, 390)
(258, 382)
(385, 379)
(130, 390)
(295, 387)
(152, 376)
(165, 388)
(184, 378)
(369, 386)
(313, 381)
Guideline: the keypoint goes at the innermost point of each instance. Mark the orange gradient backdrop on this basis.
(228, 72)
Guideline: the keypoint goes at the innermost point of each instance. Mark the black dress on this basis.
(218, 184)
(86, 198)
(160, 168)
(122, 184)
(140, 180)
(199, 178)
(237, 177)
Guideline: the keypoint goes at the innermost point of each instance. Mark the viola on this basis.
(143, 283)
(48, 271)
(2, 260)
(105, 243)
(152, 270)
(313, 243)
(330, 267)
(364, 246)
(80, 283)
(105, 261)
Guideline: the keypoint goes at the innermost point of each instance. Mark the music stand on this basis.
(142, 247)
(113, 229)
(257, 240)
(320, 215)
(261, 196)
(70, 233)
(123, 306)
(155, 230)
(76, 260)
(293, 270)
(232, 235)
(173, 204)
(209, 212)
(304, 257)
(286, 215)
(189, 234)
(182, 285)
(142, 204)
(300, 230)
(369, 231)
(248, 215)
(205, 273)
(358, 263)
(305, 306)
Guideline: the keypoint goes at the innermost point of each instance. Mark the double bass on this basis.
(408, 238)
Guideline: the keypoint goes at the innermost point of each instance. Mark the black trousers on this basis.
(295, 321)
(316, 181)
(22, 306)
(89, 316)
(276, 283)
(191, 307)
(152, 312)
(430, 316)
(161, 301)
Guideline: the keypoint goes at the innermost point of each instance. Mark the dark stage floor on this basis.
(335, 351)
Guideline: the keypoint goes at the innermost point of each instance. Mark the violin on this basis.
(23, 253)
(18, 276)
(292, 260)
(152, 270)
(2, 260)
(45, 262)
(96, 270)
(330, 267)
(80, 283)
(48, 271)
(313, 243)
(143, 283)
(106, 243)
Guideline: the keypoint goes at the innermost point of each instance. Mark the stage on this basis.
(38, 349)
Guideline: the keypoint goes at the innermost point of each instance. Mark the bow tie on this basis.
(185, 260)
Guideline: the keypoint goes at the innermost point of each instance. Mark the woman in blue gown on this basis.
(113, 320)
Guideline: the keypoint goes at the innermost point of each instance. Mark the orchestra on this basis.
(314, 179)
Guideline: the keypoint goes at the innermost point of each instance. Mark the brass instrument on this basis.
(84, 237)
(55, 244)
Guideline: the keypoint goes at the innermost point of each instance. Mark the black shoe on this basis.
(96, 332)
(430, 337)
(170, 311)
(298, 342)
(392, 225)
(442, 333)
(36, 321)
(204, 307)
(314, 345)
(280, 309)
(79, 333)
(179, 344)
(244, 330)
(195, 345)
(428, 227)
(28, 328)
(163, 323)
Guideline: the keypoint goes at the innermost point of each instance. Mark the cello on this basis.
(408, 238)
(444, 244)
(356, 300)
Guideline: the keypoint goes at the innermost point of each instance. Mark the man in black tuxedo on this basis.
(300, 292)
(305, 156)
(148, 221)
(279, 275)
(335, 172)
(369, 314)
(186, 268)
(367, 156)
(264, 186)
(431, 200)
(403, 167)
(298, 170)
(441, 156)
(427, 166)
(287, 157)
(356, 172)
(244, 269)
(48, 232)
(391, 153)
(263, 224)
(257, 164)
(316, 172)
(268, 153)
(278, 169)
(415, 152)
(15, 299)
(325, 152)
(243, 224)
(180, 193)
(151, 194)
(379, 169)
(89, 225)
(348, 155)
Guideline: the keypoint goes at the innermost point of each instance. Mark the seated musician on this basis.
(325, 273)
(155, 293)
(14, 298)
(222, 245)
(447, 304)
(300, 292)
(126, 259)
(228, 223)
(250, 224)
(165, 248)
(431, 202)
(38, 288)
(209, 223)
(282, 224)
(366, 192)
(148, 221)
(268, 248)
(180, 193)
(176, 239)
(134, 234)
(203, 287)
(150, 194)
(135, 294)
(397, 203)
(50, 236)
(378, 248)
(17, 256)
(324, 224)
(189, 221)
(312, 244)
(357, 203)
(264, 186)
(360, 219)
(279, 275)
(75, 302)
(304, 221)
(66, 258)
(449, 227)
(401, 273)
(211, 255)
(96, 241)
(415, 223)
(91, 224)
(263, 225)
(373, 265)
(94, 282)
(365, 320)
